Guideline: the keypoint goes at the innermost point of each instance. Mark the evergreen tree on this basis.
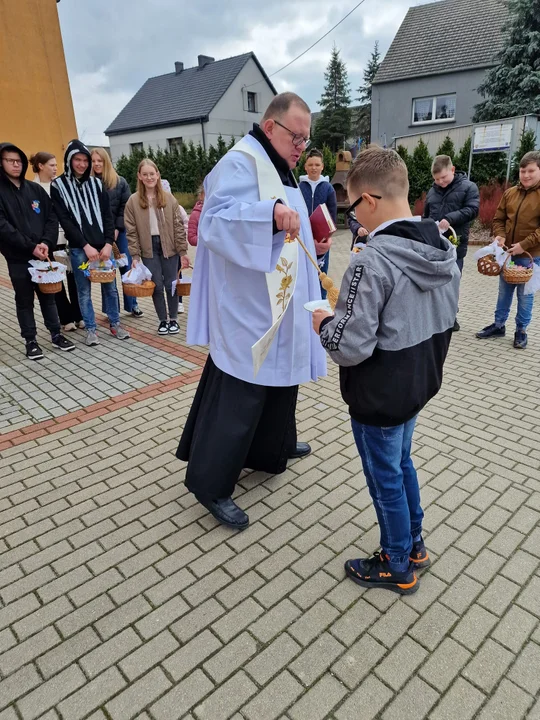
(334, 123)
(232, 143)
(487, 168)
(527, 144)
(447, 147)
(221, 146)
(512, 87)
(420, 178)
(369, 75)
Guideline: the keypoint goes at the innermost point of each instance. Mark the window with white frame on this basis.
(438, 108)
(252, 102)
(175, 143)
(135, 147)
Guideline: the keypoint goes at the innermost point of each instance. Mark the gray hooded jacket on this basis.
(393, 322)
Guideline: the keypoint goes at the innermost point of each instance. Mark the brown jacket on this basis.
(518, 218)
(171, 229)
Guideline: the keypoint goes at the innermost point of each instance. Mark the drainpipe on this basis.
(203, 135)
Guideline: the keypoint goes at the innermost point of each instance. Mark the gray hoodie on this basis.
(393, 321)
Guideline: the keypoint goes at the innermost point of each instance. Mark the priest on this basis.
(250, 283)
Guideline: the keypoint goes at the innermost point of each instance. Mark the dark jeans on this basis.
(393, 484)
(164, 273)
(68, 307)
(24, 302)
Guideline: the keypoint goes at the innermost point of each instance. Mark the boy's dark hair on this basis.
(530, 157)
(440, 163)
(314, 153)
(380, 170)
(282, 103)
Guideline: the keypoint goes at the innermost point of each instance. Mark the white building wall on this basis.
(229, 118)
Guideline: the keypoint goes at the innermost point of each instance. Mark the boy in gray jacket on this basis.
(390, 335)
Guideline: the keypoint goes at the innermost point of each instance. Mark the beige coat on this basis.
(171, 229)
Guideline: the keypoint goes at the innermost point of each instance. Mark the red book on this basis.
(322, 224)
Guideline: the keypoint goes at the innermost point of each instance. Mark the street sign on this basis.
(492, 138)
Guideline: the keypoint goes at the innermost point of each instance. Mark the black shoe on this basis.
(302, 450)
(137, 312)
(227, 512)
(457, 327)
(33, 351)
(62, 343)
(520, 340)
(375, 572)
(163, 328)
(174, 328)
(491, 331)
(419, 555)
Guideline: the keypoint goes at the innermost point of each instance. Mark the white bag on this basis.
(493, 249)
(533, 285)
(137, 275)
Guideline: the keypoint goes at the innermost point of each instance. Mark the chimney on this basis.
(178, 67)
(205, 60)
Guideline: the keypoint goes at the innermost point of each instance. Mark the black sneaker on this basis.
(33, 351)
(375, 572)
(491, 331)
(174, 328)
(62, 343)
(520, 340)
(137, 312)
(419, 555)
(163, 328)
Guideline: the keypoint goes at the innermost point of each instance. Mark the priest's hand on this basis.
(323, 246)
(287, 219)
(318, 317)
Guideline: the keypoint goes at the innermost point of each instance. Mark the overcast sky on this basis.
(113, 46)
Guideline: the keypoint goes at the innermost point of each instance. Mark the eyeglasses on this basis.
(10, 161)
(349, 212)
(297, 140)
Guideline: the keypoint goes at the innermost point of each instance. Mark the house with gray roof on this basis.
(430, 76)
(223, 97)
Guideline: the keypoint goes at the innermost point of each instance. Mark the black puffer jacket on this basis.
(458, 203)
(118, 197)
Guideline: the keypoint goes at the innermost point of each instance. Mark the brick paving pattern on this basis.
(120, 597)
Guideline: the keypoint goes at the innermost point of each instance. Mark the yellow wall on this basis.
(36, 110)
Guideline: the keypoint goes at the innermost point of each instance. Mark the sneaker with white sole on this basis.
(33, 351)
(91, 338)
(119, 332)
(181, 308)
(61, 343)
(137, 312)
(174, 328)
(163, 328)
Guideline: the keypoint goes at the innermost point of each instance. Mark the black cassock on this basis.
(233, 425)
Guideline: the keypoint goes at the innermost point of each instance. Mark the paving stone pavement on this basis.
(120, 597)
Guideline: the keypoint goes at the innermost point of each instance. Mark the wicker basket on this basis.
(518, 274)
(102, 276)
(50, 288)
(182, 288)
(145, 289)
(489, 266)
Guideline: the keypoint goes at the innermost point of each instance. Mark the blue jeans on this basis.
(109, 293)
(130, 303)
(524, 302)
(324, 269)
(392, 483)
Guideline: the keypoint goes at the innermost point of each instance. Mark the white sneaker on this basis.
(70, 327)
(181, 308)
